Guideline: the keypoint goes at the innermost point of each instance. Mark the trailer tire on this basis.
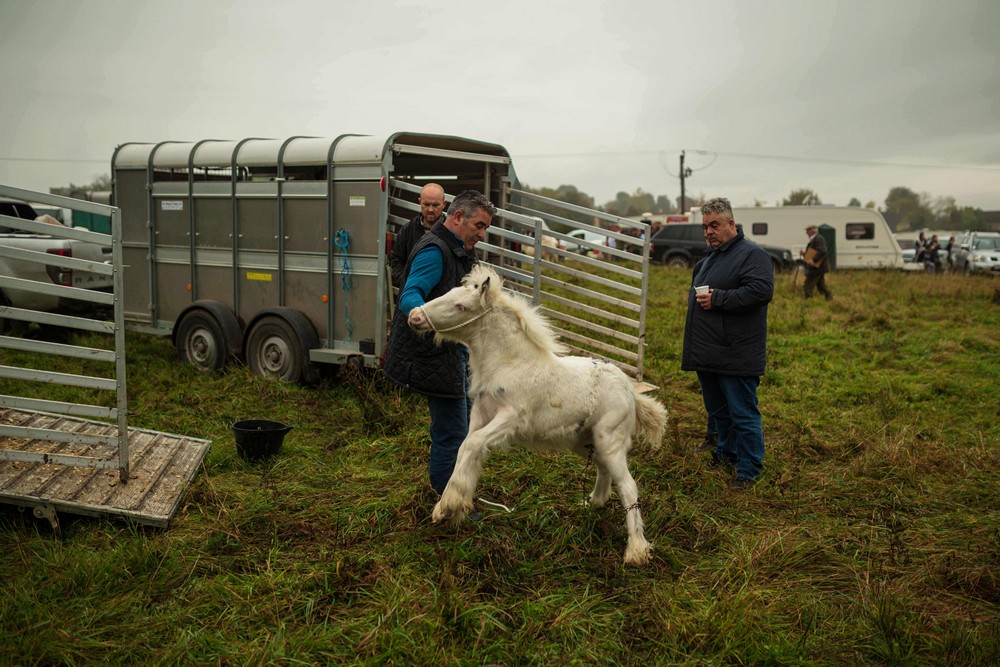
(200, 341)
(275, 348)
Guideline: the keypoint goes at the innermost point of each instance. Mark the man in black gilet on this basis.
(437, 264)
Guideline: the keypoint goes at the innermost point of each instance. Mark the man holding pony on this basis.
(439, 261)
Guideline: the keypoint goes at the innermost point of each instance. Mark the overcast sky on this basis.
(845, 97)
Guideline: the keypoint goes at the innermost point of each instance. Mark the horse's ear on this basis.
(484, 289)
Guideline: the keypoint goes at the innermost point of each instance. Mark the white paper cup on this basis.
(701, 289)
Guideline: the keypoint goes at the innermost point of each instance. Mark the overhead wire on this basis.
(762, 156)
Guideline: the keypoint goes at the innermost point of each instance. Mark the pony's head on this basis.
(461, 315)
(458, 313)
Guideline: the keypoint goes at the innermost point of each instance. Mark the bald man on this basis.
(432, 204)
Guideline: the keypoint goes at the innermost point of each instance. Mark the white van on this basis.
(861, 237)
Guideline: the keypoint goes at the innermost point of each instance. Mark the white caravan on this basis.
(861, 239)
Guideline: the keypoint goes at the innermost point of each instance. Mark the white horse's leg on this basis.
(456, 501)
(602, 487)
(638, 550)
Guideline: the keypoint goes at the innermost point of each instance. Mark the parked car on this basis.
(978, 252)
(683, 244)
(584, 235)
(20, 240)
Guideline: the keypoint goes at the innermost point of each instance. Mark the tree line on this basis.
(903, 209)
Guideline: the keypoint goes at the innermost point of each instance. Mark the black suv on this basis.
(681, 244)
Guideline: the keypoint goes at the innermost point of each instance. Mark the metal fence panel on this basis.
(113, 355)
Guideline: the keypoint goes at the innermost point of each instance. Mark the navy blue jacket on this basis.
(731, 338)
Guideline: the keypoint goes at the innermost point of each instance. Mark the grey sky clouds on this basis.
(599, 94)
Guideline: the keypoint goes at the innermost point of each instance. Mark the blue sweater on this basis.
(731, 338)
(425, 273)
(414, 361)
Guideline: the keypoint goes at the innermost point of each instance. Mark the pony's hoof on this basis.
(452, 516)
(591, 501)
(439, 514)
(638, 555)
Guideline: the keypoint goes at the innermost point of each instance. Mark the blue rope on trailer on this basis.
(346, 280)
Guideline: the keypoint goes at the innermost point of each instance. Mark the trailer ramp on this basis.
(161, 467)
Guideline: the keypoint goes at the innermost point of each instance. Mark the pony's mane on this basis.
(536, 327)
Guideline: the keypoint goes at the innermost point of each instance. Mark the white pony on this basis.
(525, 393)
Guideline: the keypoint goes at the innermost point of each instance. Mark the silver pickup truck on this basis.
(45, 273)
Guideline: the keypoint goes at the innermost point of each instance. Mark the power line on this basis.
(52, 159)
(868, 163)
(762, 156)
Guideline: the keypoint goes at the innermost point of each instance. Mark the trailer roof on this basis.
(293, 151)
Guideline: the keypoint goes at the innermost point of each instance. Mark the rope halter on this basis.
(457, 326)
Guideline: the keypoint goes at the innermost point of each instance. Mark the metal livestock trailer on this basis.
(275, 251)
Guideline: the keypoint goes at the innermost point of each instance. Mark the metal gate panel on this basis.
(597, 303)
(116, 384)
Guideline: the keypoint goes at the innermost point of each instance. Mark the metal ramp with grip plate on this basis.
(55, 455)
(161, 466)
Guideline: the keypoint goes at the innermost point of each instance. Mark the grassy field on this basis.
(872, 538)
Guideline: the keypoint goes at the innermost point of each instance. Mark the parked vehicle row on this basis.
(978, 252)
(584, 235)
(856, 238)
(683, 244)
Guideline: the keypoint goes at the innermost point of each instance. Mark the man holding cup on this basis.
(725, 339)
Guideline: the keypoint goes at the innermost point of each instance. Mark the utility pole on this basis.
(684, 173)
(681, 202)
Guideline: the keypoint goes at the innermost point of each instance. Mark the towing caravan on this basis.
(858, 238)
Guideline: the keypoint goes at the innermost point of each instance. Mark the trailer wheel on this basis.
(201, 342)
(273, 350)
(678, 261)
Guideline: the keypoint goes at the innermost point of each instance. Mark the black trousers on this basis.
(816, 281)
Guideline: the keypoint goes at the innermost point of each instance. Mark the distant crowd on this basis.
(932, 254)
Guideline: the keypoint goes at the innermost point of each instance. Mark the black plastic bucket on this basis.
(258, 439)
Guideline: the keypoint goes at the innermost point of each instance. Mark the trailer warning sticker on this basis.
(266, 277)
(172, 205)
(357, 200)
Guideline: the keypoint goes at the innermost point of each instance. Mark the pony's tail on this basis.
(650, 419)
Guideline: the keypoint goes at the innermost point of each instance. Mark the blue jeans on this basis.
(731, 402)
(449, 426)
